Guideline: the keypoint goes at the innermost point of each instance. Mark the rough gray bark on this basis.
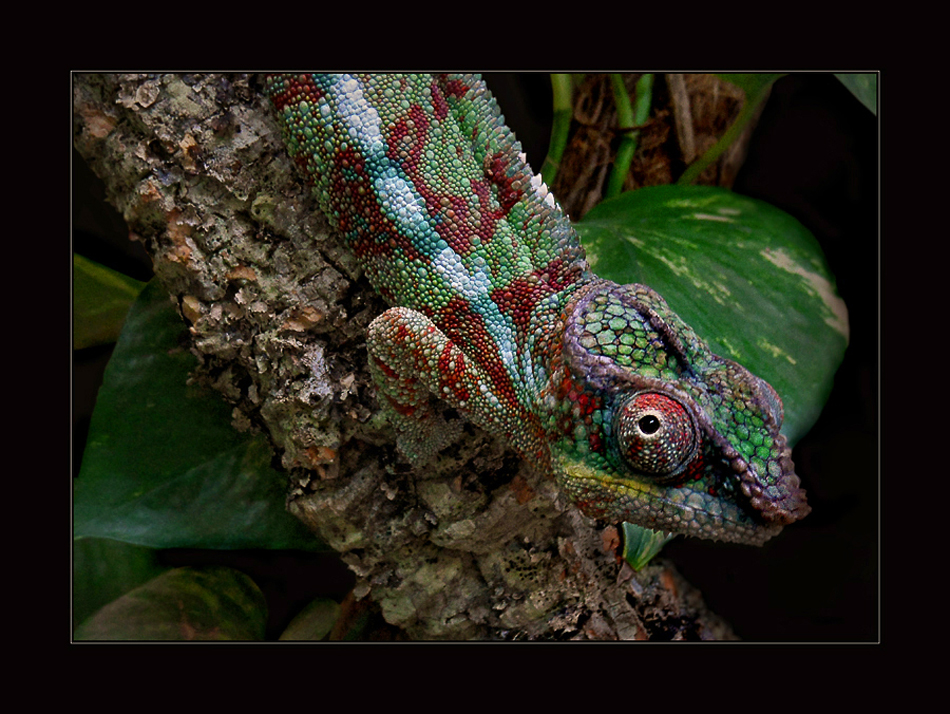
(476, 545)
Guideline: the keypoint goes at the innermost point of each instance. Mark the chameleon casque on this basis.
(497, 313)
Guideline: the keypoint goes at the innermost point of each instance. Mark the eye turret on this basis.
(656, 435)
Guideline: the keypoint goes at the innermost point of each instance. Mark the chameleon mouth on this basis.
(599, 493)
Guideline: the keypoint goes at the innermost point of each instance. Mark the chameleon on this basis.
(496, 312)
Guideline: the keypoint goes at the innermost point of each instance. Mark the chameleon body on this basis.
(497, 313)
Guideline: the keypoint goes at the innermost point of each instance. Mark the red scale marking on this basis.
(303, 161)
(364, 219)
(508, 196)
(696, 468)
(419, 134)
(458, 232)
(593, 509)
(596, 442)
(467, 328)
(407, 410)
(402, 332)
(301, 88)
(455, 230)
(452, 372)
(489, 215)
(583, 401)
(439, 105)
(386, 369)
(522, 295)
(454, 88)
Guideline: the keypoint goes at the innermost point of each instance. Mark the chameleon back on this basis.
(428, 186)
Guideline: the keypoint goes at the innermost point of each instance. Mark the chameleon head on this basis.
(656, 430)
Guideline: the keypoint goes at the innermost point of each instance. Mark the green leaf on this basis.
(101, 299)
(214, 603)
(752, 84)
(103, 570)
(640, 544)
(863, 86)
(163, 466)
(749, 278)
(314, 622)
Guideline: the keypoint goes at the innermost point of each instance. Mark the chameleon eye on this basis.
(656, 434)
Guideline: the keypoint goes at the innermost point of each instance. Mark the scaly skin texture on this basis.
(498, 314)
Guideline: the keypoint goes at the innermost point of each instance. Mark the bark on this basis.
(476, 545)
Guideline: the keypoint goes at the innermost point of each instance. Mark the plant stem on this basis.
(629, 119)
(754, 97)
(563, 112)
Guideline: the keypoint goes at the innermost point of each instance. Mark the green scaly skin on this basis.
(497, 313)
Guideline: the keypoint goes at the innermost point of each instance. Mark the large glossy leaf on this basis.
(749, 278)
(863, 86)
(214, 603)
(752, 84)
(101, 299)
(314, 622)
(103, 570)
(163, 466)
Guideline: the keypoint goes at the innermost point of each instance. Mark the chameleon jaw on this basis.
(600, 493)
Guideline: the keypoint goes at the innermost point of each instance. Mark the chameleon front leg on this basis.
(411, 359)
